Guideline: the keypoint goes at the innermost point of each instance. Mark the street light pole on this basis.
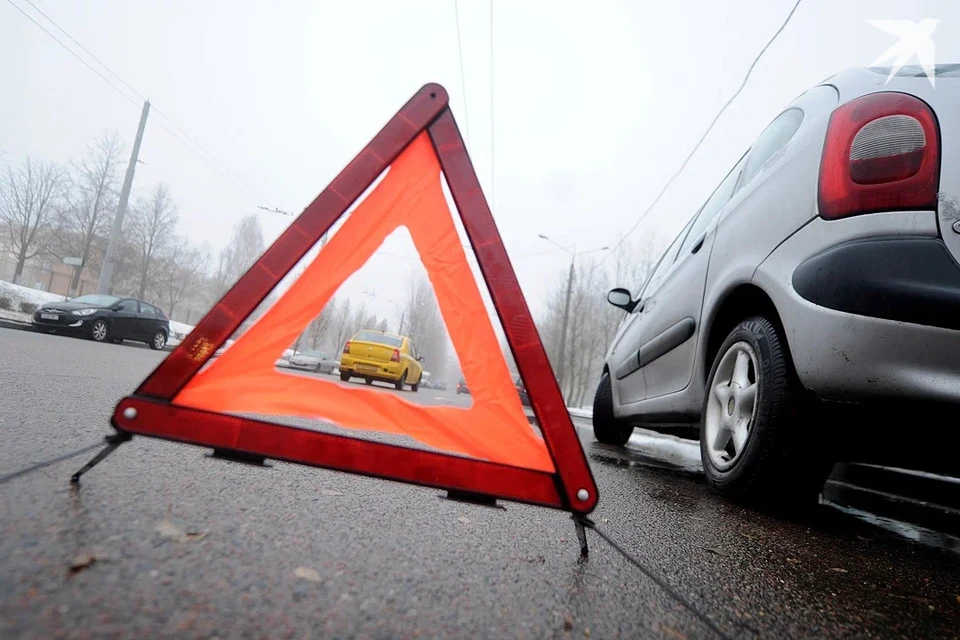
(561, 365)
(110, 258)
(562, 355)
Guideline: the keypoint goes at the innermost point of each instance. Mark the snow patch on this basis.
(18, 294)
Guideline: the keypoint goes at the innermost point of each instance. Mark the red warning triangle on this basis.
(488, 449)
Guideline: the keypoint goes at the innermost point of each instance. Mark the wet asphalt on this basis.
(162, 542)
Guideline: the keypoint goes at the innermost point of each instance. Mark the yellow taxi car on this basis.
(375, 355)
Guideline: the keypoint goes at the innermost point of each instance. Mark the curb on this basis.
(16, 326)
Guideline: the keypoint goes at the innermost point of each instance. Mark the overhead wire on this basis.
(463, 75)
(208, 158)
(703, 137)
(493, 165)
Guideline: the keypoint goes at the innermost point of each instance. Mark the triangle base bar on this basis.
(149, 417)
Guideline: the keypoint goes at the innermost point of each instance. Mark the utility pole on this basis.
(110, 259)
(403, 314)
(561, 364)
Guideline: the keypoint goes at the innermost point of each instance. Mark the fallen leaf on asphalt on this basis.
(958, 598)
(81, 562)
(194, 537)
(713, 550)
(464, 519)
(568, 621)
(331, 492)
(306, 573)
(794, 560)
(865, 539)
(169, 531)
(838, 570)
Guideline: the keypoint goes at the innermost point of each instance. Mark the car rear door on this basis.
(149, 321)
(124, 320)
(672, 308)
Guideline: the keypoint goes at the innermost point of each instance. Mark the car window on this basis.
(129, 306)
(666, 261)
(413, 350)
(771, 143)
(96, 300)
(147, 310)
(721, 195)
(379, 338)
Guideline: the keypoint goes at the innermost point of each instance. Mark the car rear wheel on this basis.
(756, 440)
(99, 330)
(345, 376)
(416, 387)
(607, 428)
(399, 383)
(159, 341)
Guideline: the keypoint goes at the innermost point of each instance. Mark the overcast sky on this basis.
(594, 104)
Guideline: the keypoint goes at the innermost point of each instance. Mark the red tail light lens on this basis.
(396, 356)
(882, 153)
(346, 348)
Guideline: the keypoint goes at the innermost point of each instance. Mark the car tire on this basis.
(772, 463)
(416, 387)
(99, 330)
(399, 383)
(159, 341)
(345, 377)
(368, 380)
(607, 428)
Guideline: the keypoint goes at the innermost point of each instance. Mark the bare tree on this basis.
(179, 270)
(340, 323)
(151, 230)
(423, 323)
(90, 205)
(246, 245)
(29, 197)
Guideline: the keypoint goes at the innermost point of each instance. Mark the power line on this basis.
(207, 160)
(74, 53)
(463, 75)
(705, 133)
(493, 166)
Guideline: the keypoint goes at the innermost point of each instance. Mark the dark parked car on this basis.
(105, 319)
(522, 390)
(462, 387)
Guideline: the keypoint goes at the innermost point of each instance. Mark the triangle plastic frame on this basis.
(149, 410)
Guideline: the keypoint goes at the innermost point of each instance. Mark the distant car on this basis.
(284, 359)
(317, 361)
(375, 355)
(104, 318)
(822, 276)
(521, 389)
(462, 387)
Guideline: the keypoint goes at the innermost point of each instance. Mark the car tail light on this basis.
(396, 356)
(346, 349)
(882, 153)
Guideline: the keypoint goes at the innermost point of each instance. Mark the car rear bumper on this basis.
(867, 315)
(913, 280)
(371, 369)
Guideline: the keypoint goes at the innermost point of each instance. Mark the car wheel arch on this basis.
(739, 303)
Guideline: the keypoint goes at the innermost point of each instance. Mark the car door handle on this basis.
(698, 245)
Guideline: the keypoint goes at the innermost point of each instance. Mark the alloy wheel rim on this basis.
(731, 406)
(100, 331)
(159, 341)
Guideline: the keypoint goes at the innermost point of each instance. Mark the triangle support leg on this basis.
(581, 523)
(113, 441)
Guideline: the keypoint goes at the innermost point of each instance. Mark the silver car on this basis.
(317, 361)
(821, 275)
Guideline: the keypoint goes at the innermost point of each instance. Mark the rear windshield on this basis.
(96, 300)
(379, 338)
(314, 354)
(916, 71)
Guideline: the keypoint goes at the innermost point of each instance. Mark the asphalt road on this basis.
(184, 546)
